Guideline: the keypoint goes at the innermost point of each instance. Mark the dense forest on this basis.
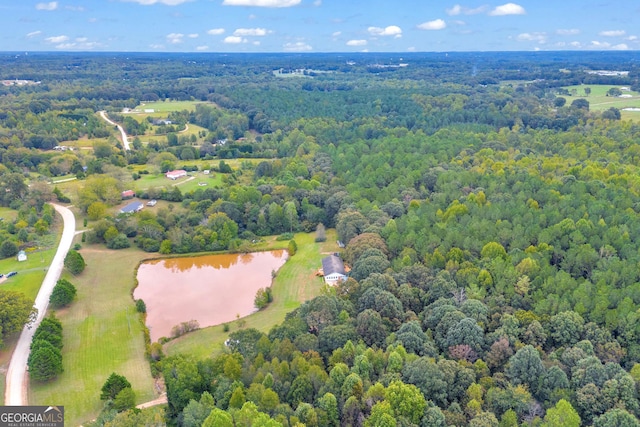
(491, 221)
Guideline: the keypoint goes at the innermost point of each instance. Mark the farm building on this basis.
(22, 256)
(132, 207)
(333, 269)
(128, 194)
(176, 174)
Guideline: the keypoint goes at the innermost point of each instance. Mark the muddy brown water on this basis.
(211, 289)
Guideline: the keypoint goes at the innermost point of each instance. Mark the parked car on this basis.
(152, 202)
(11, 274)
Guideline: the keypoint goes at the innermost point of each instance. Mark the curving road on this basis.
(17, 381)
(125, 138)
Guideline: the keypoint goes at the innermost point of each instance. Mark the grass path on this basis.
(102, 334)
(295, 283)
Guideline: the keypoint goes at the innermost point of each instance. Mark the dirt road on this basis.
(125, 139)
(17, 381)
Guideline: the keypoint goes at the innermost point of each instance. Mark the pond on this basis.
(211, 289)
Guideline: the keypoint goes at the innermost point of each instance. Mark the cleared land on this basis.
(295, 283)
(165, 107)
(599, 101)
(102, 334)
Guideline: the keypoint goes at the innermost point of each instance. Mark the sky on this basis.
(318, 25)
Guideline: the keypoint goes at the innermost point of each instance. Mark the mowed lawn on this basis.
(102, 334)
(167, 106)
(599, 101)
(295, 283)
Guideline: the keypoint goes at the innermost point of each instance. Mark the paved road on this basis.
(17, 381)
(125, 139)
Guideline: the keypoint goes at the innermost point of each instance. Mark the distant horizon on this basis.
(323, 26)
(412, 53)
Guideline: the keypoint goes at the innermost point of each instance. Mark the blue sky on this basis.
(318, 25)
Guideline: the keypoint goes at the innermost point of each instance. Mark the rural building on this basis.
(176, 174)
(132, 207)
(128, 194)
(22, 256)
(333, 270)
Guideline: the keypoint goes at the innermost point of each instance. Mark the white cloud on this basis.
(78, 46)
(193, 36)
(534, 37)
(462, 10)
(175, 38)
(508, 9)
(632, 38)
(201, 48)
(256, 43)
(613, 33)
(459, 22)
(151, 2)
(391, 30)
(357, 43)
(336, 34)
(297, 47)
(57, 39)
(621, 46)
(262, 3)
(576, 44)
(81, 39)
(317, 3)
(156, 46)
(259, 32)
(599, 45)
(34, 33)
(75, 8)
(411, 49)
(436, 24)
(52, 5)
(568, 32)
(215, 31)
(234, 40)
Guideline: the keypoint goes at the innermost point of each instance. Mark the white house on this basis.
(22, 256)
(333, 270)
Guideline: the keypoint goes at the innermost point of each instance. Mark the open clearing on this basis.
(599, 101)
(166, 107)
(102, 334)
(295, 283)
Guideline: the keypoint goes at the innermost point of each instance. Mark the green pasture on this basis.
(30, 272)
(599, 101)
(8, 214)
(165, 107)
(103, 333)
(295, 283)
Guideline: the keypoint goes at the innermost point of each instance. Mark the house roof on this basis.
(332, 264)
(177, 172)
(128, 193)
(132, 207)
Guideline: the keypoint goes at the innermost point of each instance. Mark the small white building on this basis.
(176, 174)
(22, 256)
(333, 270)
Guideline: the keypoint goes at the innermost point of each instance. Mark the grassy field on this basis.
(102, 334)
(159, 181)
(166, 106)
(599, 101)
(295, 283)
